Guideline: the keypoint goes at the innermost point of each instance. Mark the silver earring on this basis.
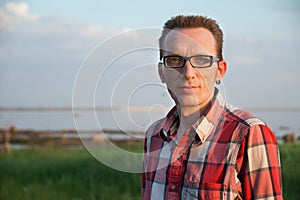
(218, 82)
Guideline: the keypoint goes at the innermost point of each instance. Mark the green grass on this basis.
(62, 174)
(290, 161)
(57, 173)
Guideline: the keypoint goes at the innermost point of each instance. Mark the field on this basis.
(58, 173)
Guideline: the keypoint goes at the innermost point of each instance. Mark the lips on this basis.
(188, 88)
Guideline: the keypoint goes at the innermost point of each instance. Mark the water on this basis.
(81, 120)
(281, 122)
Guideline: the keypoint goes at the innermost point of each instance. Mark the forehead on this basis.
(190, 41)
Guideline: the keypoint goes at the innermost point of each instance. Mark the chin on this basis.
(192, 101)
(189, 103)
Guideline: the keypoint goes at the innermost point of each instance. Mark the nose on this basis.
(188, 71)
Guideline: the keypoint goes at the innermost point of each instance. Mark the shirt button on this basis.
(178, 156)
(173, 187)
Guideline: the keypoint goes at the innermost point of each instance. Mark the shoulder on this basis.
(251, 127)
(242, 116)
(154, 127)
(152, 140)
(254, 130)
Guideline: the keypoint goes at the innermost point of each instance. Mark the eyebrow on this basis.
(169, 53)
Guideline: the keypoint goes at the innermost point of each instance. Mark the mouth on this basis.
(188, 88)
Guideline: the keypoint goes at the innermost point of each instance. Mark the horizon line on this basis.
(133, 108)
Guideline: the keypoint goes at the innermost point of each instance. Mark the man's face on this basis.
(188, 85)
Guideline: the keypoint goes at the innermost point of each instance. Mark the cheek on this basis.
(171, 75)
(207, 76)
(206, 80)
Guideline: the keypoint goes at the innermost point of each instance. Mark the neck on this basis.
(188, 116)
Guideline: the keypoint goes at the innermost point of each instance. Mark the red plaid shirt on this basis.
(226, 154)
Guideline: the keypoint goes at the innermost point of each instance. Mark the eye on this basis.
(201, 60)
(174, 61)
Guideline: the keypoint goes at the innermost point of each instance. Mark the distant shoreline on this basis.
(73, 131)
(133, 109)
(50, 133)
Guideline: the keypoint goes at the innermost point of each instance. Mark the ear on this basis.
(222, 67)
(160, 72)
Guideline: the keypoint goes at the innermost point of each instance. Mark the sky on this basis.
(56, 52)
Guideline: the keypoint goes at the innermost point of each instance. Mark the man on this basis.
(205, 148)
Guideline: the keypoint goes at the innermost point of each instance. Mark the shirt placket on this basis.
(175, 173)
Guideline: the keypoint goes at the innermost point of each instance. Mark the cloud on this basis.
(49, 50)
(17, 21)
(17, 8)
(29, 38)
(41, 49)
(14, 14)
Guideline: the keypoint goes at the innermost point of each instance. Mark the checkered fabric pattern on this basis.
(227, 154)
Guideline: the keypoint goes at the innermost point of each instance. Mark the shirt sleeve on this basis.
(145, 188)
(258, 164)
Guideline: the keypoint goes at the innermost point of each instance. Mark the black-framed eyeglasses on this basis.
(197, 61)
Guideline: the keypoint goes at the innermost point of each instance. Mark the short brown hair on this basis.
(193, 21)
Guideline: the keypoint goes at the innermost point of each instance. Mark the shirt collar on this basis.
(202, 127)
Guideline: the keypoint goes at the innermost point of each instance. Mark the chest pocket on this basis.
(205, 191)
